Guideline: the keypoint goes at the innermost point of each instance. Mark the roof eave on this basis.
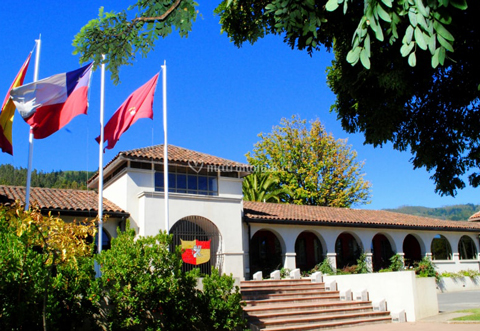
(356, 225)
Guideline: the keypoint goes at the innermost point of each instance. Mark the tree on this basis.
(315, 167)
(406, 71)
(264, 187)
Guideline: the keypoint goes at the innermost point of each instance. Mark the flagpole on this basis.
(165, 147)
(100, 158)
(30, 137)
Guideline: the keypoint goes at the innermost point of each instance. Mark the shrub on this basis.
(324, 267)
(220, 303)
(396, 263)
(142, 285)
(425, 268)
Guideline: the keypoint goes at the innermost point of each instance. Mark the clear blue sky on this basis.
(219, 98)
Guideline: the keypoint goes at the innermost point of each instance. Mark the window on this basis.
(186, 180)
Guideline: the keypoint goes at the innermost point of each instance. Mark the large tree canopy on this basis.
(405, 71)
(313, 167)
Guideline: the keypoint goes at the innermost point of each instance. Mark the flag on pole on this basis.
(138, 105)
(8, 110)
(51, 103)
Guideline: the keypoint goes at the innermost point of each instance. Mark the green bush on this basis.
(324, 267)
(220, 303)
(44, 278)
(425, 268)
(142, 286)
(396, 263)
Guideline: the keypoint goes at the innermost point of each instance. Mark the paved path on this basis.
(448, 304)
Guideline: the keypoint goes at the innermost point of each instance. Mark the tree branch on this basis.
(158, 18)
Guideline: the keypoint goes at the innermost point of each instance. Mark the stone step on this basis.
(270, 282)
(300, 321)
(283, 287)
(333, 310)
(304, 306)
(313, 298)
(329, 325)
(288, 294)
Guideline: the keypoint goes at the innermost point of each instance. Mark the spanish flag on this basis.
(195, 252)
(8, 110)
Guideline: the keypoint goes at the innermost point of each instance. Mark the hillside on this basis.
(452, 213)
(55, 179)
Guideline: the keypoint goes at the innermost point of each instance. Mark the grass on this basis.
(475, 315)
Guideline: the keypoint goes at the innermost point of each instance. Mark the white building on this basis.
(205, 203)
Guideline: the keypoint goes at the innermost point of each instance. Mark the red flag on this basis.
(138, 105)
(8, 110)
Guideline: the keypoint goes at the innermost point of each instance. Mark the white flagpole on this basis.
(165, 147)
(100, 159)
(30, 137)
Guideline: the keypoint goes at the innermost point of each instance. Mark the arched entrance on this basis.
(347, 249)
(196, 228)
(308, 250)
(440, 248)
(412, 251)
(382, 252)
(466, 248)
(265, 253)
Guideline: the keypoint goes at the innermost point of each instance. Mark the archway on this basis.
(382, 252)
(196, 228)
(467, 248)
(265, 253)
(308, 250)
(440, 248)
(347, 249)
(412, 251)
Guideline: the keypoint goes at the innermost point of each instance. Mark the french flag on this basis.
(49, 104)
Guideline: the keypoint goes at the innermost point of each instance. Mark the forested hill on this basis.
(56, 179)
(453, 213)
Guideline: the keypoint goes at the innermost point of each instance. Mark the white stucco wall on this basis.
(401, 291)
(134, 191)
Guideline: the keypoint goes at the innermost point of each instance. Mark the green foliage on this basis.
(362, 266)
(324, 267)
(425, 268)
(45, 272)
(311, 164)
(284, 272)
(396, 263)
(121, 36)
(55, 179)
(264, 187)
(452, 213)
(462, 273)
(143, 287)
(221, 303)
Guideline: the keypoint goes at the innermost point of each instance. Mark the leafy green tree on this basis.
(310, 163)
(45, 271)
(264, 187)
(405, 72)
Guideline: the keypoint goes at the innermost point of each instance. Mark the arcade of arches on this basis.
(268, 250)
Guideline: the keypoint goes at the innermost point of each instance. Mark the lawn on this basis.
(475, 315)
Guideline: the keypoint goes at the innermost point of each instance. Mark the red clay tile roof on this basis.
(64, 200)
(475, 217)
(180, 155)
(293, 214)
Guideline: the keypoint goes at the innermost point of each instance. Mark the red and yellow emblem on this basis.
(195, 252)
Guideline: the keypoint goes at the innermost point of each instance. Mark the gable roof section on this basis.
(178, 155)
(65, 201)
(259, 212)
(475, 217)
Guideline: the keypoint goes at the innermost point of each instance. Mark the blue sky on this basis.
(219, 98)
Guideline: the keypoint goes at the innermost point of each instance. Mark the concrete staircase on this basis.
(299, 304)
